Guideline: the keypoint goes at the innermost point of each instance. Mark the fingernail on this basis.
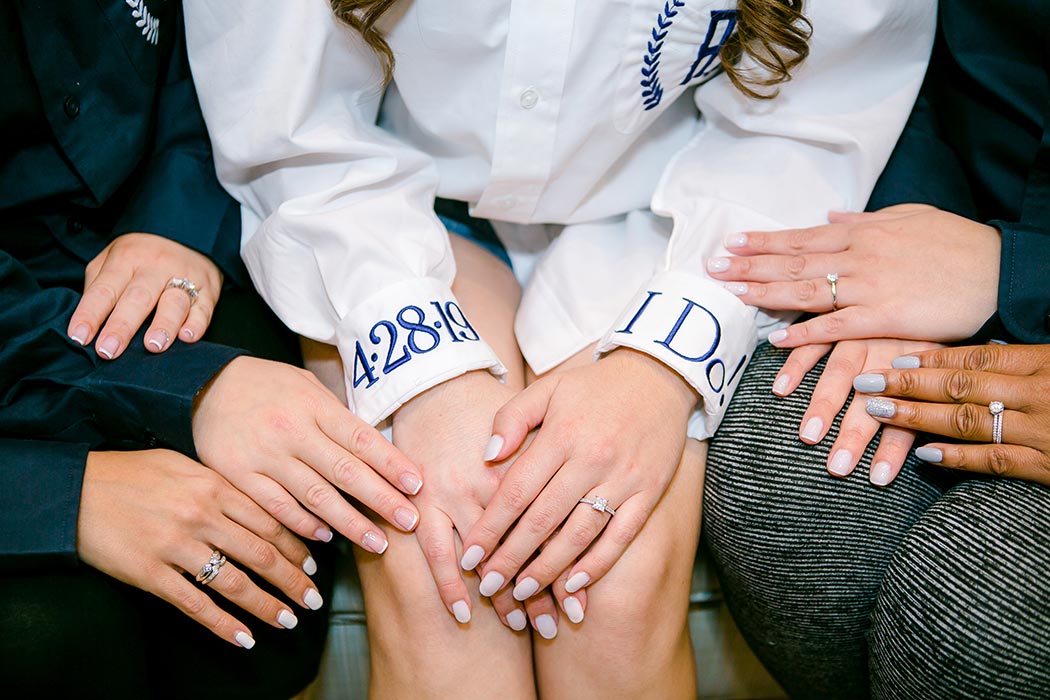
(287, 620)
(158, 339)
(717, 264)
(780, 386)
(471, 557)
(492, 582)
(188, 334)
(573, 609)
(405, 519)
(738, 288)
(880, 472)
(777, 336)
(516, 620)
(841, 463)
(869, 383)
(323, 534)
(812, 430)
(736, 240)
(906, 362)
(374, 543)
(493, 448)
(546, 626)
(880, 408)
(309, 566)
(576, 582)
(108, 347)
(244, 639)
(462, 611)
(80, 333)
(526, 588)
(929, 454)
(411, 483)
(313, 599)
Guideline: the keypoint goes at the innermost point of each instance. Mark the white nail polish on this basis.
(493, 448)
(244, 639)
(546, 626)
(323, 534)
(462, 611)
(155, 343)
(841, 463)
(80, 341)
(780, 386)
(287, 620)
(526, 588)
(492, 582)
(109, 356)
(879, 474)
(472, 557)
(372, 543)
(736, 240)
(737, 288)
(777, 336)
(906, 362)
(576, 582)
(309, 566)
(516, 620)
(573, 609)
(313, 599)
(812, 430)
(717, 264)
(188, 333)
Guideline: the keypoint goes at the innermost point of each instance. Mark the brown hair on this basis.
(774, 33)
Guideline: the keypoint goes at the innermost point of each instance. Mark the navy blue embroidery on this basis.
(689, 306)
(707, 50)
(652, 91)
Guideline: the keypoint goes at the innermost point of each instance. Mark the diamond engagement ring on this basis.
(599, 504)
(833, 279)
(996, 408)
(210, 570)
(185, 285)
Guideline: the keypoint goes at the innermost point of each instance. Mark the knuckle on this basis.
(318, 495)
(757, 241)
(999, 462)
(192, 602)
(449, 589)
(966, 420)
(346, 472)
(436, 551)
(104, 293)
(852, 435)
(979, 358)
(264, 555)
(795, 265)
(798, 239)
(138, 295)
(580, 536)
(907, 383)
(236, 583)
(627, 529)
(959, 386)
(515, 496)
(831, 324)
(838, 364)
(362, 438)
(807, 290)
(279, 507)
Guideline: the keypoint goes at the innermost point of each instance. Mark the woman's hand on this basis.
(287, 442)
(613, 429)
(128, 279)
(147, 518)
(909, 271)
(848, 359)
(950, 393)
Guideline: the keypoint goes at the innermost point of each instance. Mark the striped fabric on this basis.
(934, 587)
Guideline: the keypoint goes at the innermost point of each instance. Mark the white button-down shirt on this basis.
(598, 135)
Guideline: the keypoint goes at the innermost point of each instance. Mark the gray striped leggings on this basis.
(937, 586)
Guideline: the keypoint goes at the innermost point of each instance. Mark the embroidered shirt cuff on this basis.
(408, 338)
(698, 329)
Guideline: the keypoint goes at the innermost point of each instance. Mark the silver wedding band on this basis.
(185, 285)
(599, 504)
(996, 408)
(833, 280)
(210, 570)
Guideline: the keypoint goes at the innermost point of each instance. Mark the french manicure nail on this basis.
(841, 463)
(492, 582)
(526, 588)
(323, 534)
(108, 347)
(188, 333)
(736, 240)
(309, 566)
(573, 609)
(244, 639)
(462, 611)
(546, 626)
(879, 474)
(313, 599)
(287, 620)
(576, 582)
(880, 408)
(373, 543)
(80, 333)
(777, 336)
(812, 430)
(493, 448)
(869, 383)
(929, 454)
(405, 519)
(158, 339)
(737, 288)
(780, 386)
(471, 557)
(906, 362)
(717, 264)
(516, 620)
(411, 483)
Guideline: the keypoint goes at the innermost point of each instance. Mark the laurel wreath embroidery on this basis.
(149, 24)
(652, 90)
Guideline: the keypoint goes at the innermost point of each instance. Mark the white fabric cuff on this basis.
(698, 329)
(404, 340)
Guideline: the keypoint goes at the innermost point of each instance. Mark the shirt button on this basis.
(71, 105)
(529, 98)
(74, 225)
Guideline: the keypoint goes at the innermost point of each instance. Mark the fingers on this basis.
(948, 386)
(510, 611)
(276, 500)
(99, 299)
(236, 586)
(368, 445)
(244, 511)
(574, 604)
(809, 295)
(850, 323)
(897, 211)
(172, 310)
(830, 394)
(886, 463)
(169, 586)
(962, 421)
(1012, 461)
(199, 318)
(543, 614)
(517, 417)
(800, 361)
(619, 533)
(809, 268)
(435, 537)
(1018, 360)
(818, 239)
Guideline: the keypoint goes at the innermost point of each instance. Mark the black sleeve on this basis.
(1024, 281)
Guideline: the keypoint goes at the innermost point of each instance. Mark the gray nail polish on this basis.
(869, 383)
(881, 408)
(907, 362)
(929, 454)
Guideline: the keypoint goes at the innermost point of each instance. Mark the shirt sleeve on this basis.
(339, 232)
(770, 165)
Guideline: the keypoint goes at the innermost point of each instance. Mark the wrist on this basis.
(657, 377)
